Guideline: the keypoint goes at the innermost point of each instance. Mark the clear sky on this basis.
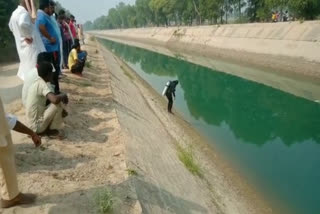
(88, 10)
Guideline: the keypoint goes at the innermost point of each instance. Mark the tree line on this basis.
(145, 13)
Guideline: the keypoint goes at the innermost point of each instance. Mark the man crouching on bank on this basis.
(45, 119)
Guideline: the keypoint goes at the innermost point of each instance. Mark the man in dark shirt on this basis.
(171, 93)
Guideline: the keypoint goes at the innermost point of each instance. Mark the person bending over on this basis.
(170, 92)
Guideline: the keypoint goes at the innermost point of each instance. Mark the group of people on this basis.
(276, 17)
(46, 43)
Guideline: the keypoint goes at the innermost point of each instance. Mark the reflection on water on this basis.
(271, 135)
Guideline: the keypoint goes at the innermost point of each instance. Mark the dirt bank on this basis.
(286, 47)
(67, 174)
(163, 183)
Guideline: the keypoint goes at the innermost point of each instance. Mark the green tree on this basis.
(88, 25)
(115, 18)
(306, 9)
(158, 7)
(145, 15)
(211, 9)
(6, 9)
(177, 12)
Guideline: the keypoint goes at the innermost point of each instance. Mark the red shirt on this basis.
(73, 30)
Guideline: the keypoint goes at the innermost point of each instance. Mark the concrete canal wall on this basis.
(293, 39)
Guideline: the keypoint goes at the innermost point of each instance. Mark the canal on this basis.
(272, 137)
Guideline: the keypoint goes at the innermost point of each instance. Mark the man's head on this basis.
(77, 45)
(44, 66)
(62, 12)
(52, 5)
(61, 18)
(72, 19)
(45, 6)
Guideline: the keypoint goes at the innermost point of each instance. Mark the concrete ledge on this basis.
(291, 39)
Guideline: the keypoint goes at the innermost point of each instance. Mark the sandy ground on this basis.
(118, 124)
(67, 174)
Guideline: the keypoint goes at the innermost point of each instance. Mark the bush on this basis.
(104, 201)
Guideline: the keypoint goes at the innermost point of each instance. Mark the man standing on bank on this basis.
(10, 194)
(170, 92)
(28, 40)
(50, 40)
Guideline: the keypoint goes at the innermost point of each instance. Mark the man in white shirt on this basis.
(28, 40)
(10, 195)
(45, 119)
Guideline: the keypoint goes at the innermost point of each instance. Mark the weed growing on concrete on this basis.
(85, 84)
(88, 64)
(179, 56)
(104, 201)
(187, 158)
(126, 72)
(132, 172)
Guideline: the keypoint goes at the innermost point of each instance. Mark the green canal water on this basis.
(272, 137)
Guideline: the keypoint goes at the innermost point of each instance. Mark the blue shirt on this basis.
(44, 19)
(56, 28)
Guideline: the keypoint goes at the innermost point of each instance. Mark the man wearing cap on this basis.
(28, 41)
(10, 194)
(50, 39)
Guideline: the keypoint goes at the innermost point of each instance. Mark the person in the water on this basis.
(170, 92)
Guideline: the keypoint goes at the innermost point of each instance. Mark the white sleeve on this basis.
(10, 25)
(12, 121)
(25, 25)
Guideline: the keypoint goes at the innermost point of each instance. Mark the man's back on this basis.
(36, 102)
(73, 57)
(30, 78)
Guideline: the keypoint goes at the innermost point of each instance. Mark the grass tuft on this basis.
(126, 72)
(104, 201)
(88, 64)
(186, 156)
(85, 84)
(132, 172)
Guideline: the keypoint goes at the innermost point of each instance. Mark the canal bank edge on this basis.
(290, 47)
(222, 190)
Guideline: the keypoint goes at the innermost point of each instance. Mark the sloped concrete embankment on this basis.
(291, 47)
